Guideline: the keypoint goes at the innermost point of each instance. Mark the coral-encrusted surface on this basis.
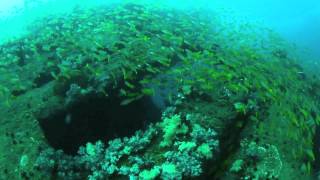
(144, 91)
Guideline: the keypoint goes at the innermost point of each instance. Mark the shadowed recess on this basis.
(97, 118)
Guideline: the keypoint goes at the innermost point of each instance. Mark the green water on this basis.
(156, 90)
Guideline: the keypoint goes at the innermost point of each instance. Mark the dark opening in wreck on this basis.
(97, 118)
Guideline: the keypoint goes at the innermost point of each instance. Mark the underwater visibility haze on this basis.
(96, 90)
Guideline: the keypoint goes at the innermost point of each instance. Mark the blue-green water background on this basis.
(296, 20)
